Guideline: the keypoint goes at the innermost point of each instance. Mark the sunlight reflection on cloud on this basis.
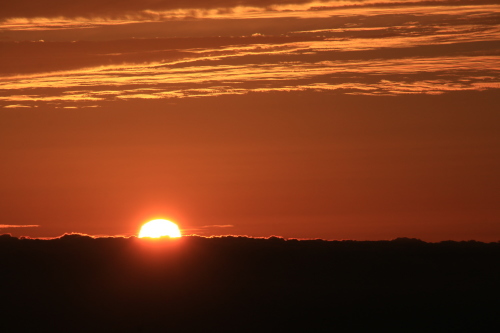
(378, 49)
(313, 9)
(156, 81)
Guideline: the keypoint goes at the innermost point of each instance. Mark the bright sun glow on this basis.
(159, 228)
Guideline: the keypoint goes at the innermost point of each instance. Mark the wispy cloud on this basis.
(148, 8)
(5, 226)
(158, 81)
(218, 226)
(368, 48)
(204, 229)
(17, 16)
(15, 106)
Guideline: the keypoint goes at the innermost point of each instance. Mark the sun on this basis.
(159, 228)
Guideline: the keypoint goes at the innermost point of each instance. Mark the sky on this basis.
(360, 120)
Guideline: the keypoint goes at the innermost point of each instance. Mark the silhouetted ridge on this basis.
(79, 283)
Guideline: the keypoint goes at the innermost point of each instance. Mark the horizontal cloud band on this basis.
(109, 8)
(5, 226)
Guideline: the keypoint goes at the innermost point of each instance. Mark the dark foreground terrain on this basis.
(235, 284)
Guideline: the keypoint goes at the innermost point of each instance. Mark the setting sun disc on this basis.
(160, 228)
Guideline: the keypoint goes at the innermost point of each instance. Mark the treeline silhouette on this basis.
(78, 283)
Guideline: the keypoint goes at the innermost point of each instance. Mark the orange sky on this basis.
(360, 120)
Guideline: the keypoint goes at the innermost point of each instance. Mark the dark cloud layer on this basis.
(81, 284)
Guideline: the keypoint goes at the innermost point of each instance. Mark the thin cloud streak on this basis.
(93, 8)
(310, 10)
(218, 226)
(5, 226)
(168, 9)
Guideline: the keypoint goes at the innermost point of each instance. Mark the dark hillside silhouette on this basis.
(78, 283)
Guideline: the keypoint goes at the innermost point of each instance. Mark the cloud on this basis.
(153, 8)
(202, 229)
(218, 226)
(16, 106)
(383, 50)
(98, 8)
(5, 226)
(156, 81)
(189, 17)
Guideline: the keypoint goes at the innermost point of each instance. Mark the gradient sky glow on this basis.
(325, 119)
